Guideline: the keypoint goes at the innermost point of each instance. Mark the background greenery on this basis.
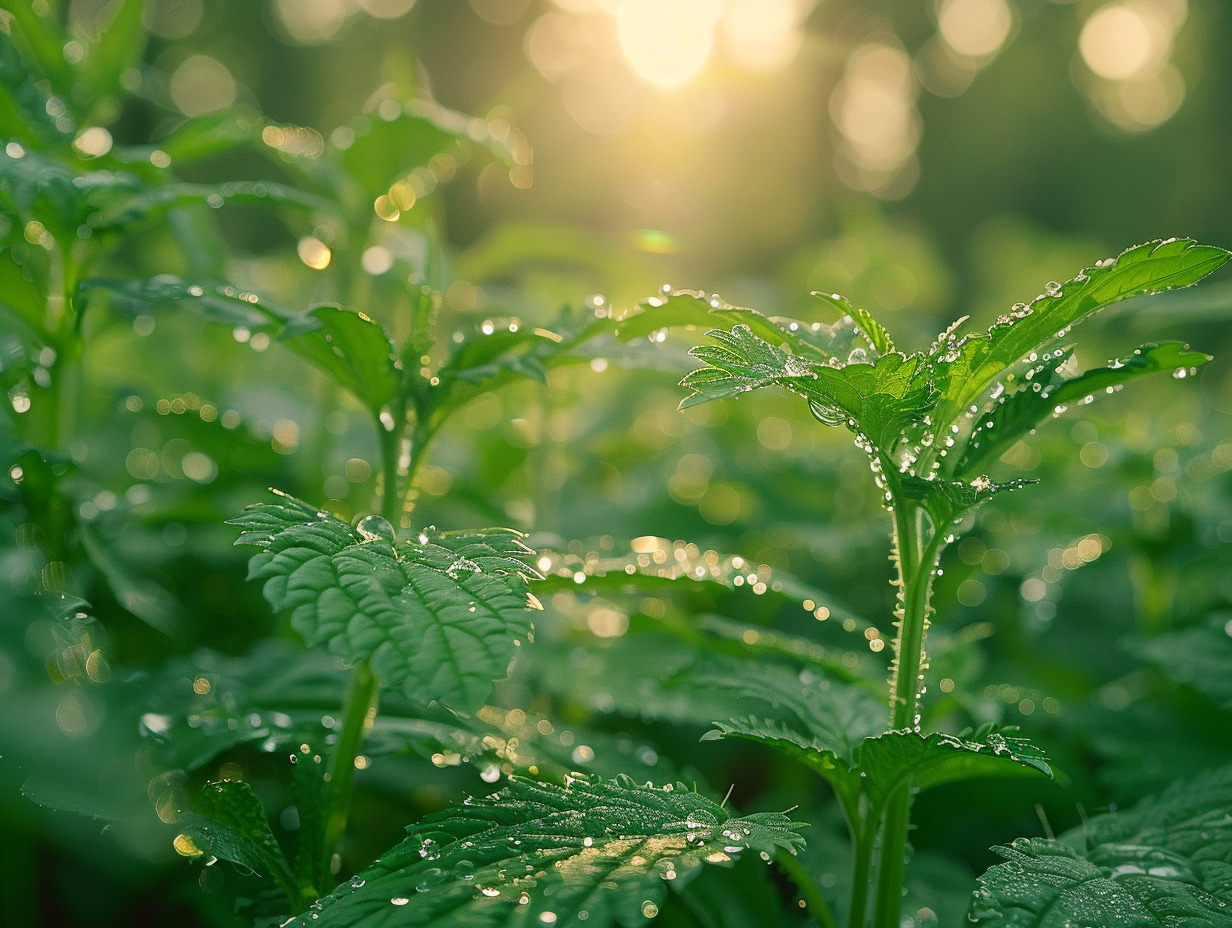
(864, 154)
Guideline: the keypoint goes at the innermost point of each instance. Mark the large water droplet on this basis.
(375, 528)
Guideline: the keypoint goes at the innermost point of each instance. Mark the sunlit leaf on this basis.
(967, 367)
(542, 854)
(437, 615)
(1045, 390)
(351, 348)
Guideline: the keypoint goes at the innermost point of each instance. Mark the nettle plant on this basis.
(407, 627)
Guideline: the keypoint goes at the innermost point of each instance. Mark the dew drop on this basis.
(375, 528)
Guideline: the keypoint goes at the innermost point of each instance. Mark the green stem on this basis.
(358, 711)
(916, 556)
(862, 858)
(813, 900)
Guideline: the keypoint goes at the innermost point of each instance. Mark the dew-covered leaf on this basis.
(857, 763)
(872, 331)
(694, 309)
(350, 348)
(438, 614)
(1046, 390)
(538, 853)
(948, 500)
(217, 302)
(228, 822)
(877, 398)
(967, 367)
(1166, 862)
(23, 107)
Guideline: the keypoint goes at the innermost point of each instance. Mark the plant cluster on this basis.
(254, 755)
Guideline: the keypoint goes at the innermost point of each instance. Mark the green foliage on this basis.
(1164, 862)
(147, 264)
(438, 615)
(546, 853)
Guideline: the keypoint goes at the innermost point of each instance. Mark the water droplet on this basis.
(375, 528)
(399, 900)
(858, 356)
(1052, 288)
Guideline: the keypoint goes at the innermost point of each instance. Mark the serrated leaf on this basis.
(694, 309)
(437, 615)
(228, 822)
(948, 500)
(218, 302)
(877, 399)
(877, 766)
(350, 348)
(1166, 862)
(1046, 389)
(873, 332)
(608, 848)
(967, 367)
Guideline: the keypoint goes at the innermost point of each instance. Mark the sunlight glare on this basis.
(761, 35)
(976, 28)
(668, 44)
(1123, 40)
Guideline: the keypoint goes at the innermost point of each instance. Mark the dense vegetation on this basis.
(270, 373)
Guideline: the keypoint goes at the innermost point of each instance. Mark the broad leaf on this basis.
(967, 367)
(1166, 862)
(542, 854)
(1046, 390)
(878, 765)
(352, 349)
(877, 400)
(438, 615)
(218, 302)
(228, 822)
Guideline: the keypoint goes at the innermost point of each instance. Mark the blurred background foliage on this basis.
(927, 160)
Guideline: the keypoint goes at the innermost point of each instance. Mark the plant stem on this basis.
(916, 557)
(358, 711)
(796, 872)
(862, 840)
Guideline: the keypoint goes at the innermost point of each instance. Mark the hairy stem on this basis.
(915, 552)
(358, 712)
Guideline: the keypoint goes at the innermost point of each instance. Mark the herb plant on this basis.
(409, 652)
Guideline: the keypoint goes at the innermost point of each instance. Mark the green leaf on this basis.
(877, 766)
(1199, 657)
(947, 501)
(694, 309)
(873, 332)
(23, 107)
(350, 348)
(606, 848)
(1166, 862)
(967, 367)
(1045, 390)
(401, 137)
(220, 303)
(438, 615)
(228, 822)
(120, 45)
(878, 399)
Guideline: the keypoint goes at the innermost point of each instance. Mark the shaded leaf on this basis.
(438, 615)
(218, 302)
(1166, 862)
(1200, 657)
(607, 848)
(228, 822)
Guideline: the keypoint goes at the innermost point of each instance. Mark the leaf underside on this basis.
(593, 852)
(438, 615)
(1166, 862)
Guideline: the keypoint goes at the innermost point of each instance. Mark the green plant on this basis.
(254, 745)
